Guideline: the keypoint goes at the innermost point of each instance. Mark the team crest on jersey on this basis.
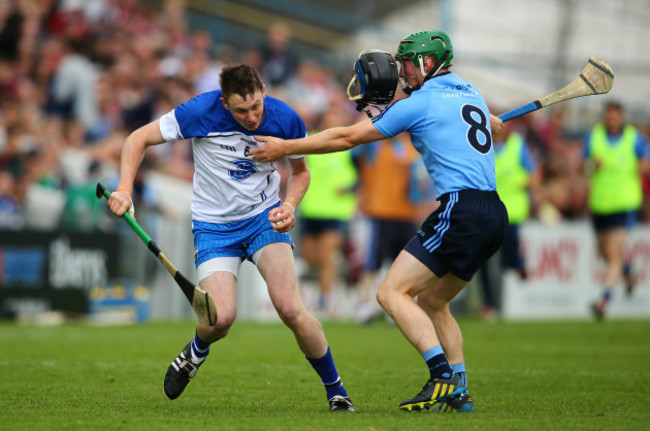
(246, 168)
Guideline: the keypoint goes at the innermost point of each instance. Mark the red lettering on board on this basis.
(558, 260)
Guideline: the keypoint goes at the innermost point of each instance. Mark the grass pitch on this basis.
(522, 376)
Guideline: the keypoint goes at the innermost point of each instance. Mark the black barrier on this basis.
(55, 269)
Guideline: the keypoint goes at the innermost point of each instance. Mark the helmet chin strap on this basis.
(422, 61)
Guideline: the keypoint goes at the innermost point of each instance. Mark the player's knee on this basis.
(385, 298)
(289, 314)
(225, 319)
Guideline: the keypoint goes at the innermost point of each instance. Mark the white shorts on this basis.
(228, 264)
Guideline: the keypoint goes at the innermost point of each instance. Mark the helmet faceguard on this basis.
(417, 46)
(374, 81)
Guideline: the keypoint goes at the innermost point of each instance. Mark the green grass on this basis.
(522, 376)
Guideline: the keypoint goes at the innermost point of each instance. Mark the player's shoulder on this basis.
(406, 106)
(203, 114)
(451, 82)
(282, 120)
(278, 107)
(204, 102)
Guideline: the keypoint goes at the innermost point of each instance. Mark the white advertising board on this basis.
(564, 271)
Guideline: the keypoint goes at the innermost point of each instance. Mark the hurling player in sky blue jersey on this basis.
(237, 214)
(450, 126)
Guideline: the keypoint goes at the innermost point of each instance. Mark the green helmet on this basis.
(419, 45)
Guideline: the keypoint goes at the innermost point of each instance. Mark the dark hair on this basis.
(615, 105)
(241, 79)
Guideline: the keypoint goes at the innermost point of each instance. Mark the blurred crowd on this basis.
(77, 76)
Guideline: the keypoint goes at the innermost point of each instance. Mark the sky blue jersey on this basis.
(449, 124)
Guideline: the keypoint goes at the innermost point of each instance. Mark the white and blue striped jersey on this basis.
(229, 185)
(449, 124)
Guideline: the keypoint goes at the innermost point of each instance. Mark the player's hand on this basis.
(495, 124)
(282, 218)
(119, 203)
(271, 151)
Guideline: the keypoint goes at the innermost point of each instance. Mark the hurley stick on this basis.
(201, 301)
(596, 78)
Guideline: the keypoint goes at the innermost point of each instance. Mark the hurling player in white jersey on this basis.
(450, 125)
(237, 214)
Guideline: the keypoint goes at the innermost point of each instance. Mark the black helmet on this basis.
(375, 79)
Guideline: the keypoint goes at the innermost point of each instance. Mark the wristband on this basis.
(132, 208)
(126, 189)
(293, 210)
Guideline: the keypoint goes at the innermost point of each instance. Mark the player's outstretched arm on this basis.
(327, 141)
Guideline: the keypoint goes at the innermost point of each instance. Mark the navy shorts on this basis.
(387, 239)
(510, 250)
(462, 234)
(624, 219)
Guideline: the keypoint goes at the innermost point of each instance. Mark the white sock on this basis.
(202, 354)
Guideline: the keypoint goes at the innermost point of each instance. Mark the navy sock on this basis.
(438, 364)
(329, 376)
(627, 269)
(200, 349)
(460, 370)
(607, 294)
